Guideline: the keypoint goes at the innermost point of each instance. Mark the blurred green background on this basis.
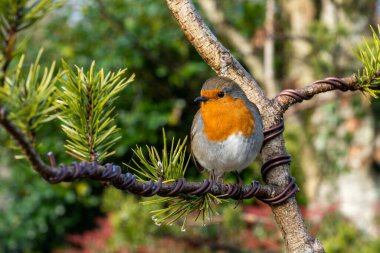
(334, 139)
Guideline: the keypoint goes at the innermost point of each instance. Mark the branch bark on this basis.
(32, 155)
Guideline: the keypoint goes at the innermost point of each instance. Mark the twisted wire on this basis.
(300, 96)
(336, 82)
(127, 181)
(279, 160)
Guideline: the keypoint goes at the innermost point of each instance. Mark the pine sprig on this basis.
(16, 16)
(181, 207)
(170, 166)
(30, 97)
(368, 52)
(21, 14)
(86, 103)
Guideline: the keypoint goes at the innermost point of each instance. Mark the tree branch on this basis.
(123, 181)
(289, 97)
(31, 154)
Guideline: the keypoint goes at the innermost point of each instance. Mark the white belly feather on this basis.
(233, 154)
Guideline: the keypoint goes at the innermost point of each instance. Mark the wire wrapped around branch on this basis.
(288, 97)
(128, 182)
(291, 189)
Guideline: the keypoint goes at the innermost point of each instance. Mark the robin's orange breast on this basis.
(225, 116)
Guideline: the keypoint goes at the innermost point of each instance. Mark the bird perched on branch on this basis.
(227, 131)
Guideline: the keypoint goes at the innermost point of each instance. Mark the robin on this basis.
(227, 131)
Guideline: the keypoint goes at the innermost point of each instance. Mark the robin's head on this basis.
(220, 88)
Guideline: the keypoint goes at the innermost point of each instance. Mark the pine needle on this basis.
(86, 101)
(170, 166)
(368, 53)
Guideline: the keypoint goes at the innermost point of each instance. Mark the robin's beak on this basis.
(200, 99)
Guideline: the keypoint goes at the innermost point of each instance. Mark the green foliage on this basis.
(123, 210)
(36, 216)
(180, 208)
(368, 52)
(169, 166)
(86, 101)
(29, 98)
(132, 227)
(328, 48)
(340, 236)
(16, 16)
(293, 146)
(24, 13)
(134, 34)
(172, 165)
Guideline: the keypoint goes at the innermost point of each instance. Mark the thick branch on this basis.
(32, 155)
(213, 52)
(290, 97)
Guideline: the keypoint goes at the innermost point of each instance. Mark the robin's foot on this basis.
(211, 176)
(240, 193)
(220, 179)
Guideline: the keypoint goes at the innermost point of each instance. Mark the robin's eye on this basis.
(221, 94)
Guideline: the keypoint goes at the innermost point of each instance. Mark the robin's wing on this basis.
(193, 130)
